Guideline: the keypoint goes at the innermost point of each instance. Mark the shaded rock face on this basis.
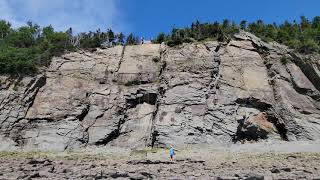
(153, 95)
(256, 127)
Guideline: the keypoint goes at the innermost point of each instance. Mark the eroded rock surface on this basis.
(265, 166)
(153, 95)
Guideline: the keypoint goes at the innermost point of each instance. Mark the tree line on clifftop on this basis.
(23, 50)
(303, 36)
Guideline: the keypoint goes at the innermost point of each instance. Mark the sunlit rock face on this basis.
(154, 95)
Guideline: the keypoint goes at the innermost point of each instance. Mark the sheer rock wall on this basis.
(153, 95)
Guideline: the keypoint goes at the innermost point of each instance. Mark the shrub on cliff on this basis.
(18, 61)
(24, 49)
(303, 36)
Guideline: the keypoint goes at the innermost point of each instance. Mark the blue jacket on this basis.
(171, 151)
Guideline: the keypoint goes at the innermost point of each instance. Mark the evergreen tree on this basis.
(243, 25)
(110, 35)
(121, 37)
(160, 38)
(132, 40)
(5, 28)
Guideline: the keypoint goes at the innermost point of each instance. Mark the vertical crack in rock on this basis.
(270, 112)
(279, 114)
(215, 75)
(275, 110)
(121, 112)
(217, 48)
(280, 126)
(143, 96)
(161, 91)
(153, 133)
(121, 58)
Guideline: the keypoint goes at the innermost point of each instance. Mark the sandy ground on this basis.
(295, 160)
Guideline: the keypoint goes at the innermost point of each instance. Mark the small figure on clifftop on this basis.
(171, 152)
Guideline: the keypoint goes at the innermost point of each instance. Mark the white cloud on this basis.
(81, 15)
(6, 12)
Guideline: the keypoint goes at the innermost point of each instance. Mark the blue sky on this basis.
(148, 17)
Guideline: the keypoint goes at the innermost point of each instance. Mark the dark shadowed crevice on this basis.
(254, 133)
(36, 87)
(149, 98)
(116, 132)
(154, 136)
(253, 102)
(121, 58)
(251, 133)
(314, 95)
(154, 133)
(281, 128)
(151, 141)
(84, 113)
(112, 136)
(217, 48)
(85, 138)
(163, 66)
(308, 70)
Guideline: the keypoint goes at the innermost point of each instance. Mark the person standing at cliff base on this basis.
(171, 153)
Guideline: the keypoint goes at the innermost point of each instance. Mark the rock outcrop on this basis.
(153, 95)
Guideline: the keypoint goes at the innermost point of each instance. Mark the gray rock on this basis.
(199, 93)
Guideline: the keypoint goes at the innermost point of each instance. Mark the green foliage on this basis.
(110, 35)
(308, 46)
(243, 25)
(132, 40)
(21, 38)
(121, 37)
(24, 49)
(160, 38)
(132, 83)
(96, 39)
(284, 60)
(5, 28)
(199, 32)
(174, 42)
(18, 60)
(303, 36)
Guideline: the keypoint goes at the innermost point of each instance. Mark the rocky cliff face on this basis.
(153, 95)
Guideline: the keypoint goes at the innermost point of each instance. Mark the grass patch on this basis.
(132, 83)
(284, 60)
(25, 154)
(146, 151)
